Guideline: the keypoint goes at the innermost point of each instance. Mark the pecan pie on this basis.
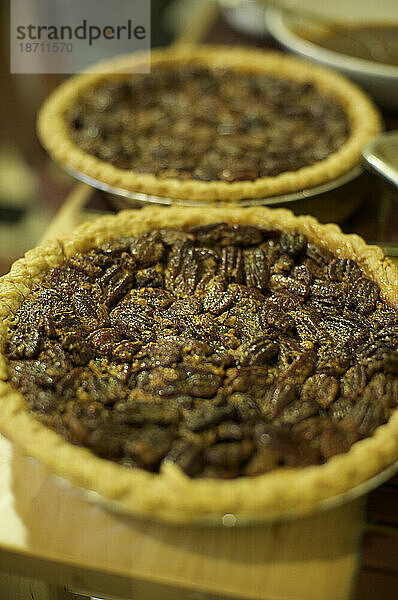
(209, 124)
(190, 364)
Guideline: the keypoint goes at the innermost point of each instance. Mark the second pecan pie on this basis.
(209, 124)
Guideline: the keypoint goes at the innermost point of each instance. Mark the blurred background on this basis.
(32, 188)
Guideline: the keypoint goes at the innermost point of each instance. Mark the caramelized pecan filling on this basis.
(228, 350)
(207, 124)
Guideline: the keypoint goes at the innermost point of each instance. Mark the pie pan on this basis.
(380, 80)
(230, 519)
(171, 495)
(335, 200)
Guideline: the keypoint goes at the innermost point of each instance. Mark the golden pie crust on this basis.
(362, 115)
(171, 495)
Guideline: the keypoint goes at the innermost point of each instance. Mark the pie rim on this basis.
(171, 495)
(363, 117)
